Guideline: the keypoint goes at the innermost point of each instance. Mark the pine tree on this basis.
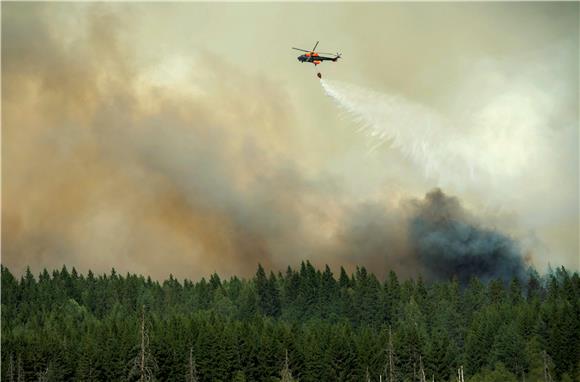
(239, 376)
(328, 294)
(86, 369)
(411, 339)
(344, 281)
(329, 328)
(267, 293)
(291, 290)
(393, 297)
(498, 374)
(509, 349)
(391, 358)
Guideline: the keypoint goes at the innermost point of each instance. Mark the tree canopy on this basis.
(302, 324)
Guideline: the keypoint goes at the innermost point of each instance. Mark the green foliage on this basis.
(498, 374)
(66, 326)
(239, 376)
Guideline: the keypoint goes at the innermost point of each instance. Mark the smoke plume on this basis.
(504, 137)
(449, 243)
(190, 165)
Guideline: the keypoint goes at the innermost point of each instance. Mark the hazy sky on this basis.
(186, 138)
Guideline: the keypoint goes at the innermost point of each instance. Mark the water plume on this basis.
(470, 151)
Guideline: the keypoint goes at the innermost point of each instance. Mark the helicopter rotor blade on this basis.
(313, 49)
(304, 50)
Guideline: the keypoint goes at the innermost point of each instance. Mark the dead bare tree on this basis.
(390, 364)
(19, 370)
(191, 375)
(547, 360)
(144, 365)
(422, 377)
(460, 377)
(11, 368)
(43, 375)
(286, 374)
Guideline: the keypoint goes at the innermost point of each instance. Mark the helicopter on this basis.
(315, 57)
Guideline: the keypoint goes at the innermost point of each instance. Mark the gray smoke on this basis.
(450, 243)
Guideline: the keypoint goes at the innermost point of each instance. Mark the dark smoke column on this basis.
(447, 243)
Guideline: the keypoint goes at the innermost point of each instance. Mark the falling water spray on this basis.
(418, 132)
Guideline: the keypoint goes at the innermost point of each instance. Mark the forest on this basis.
(304, 324)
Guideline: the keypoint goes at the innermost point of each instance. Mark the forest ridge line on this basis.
(334, 328)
